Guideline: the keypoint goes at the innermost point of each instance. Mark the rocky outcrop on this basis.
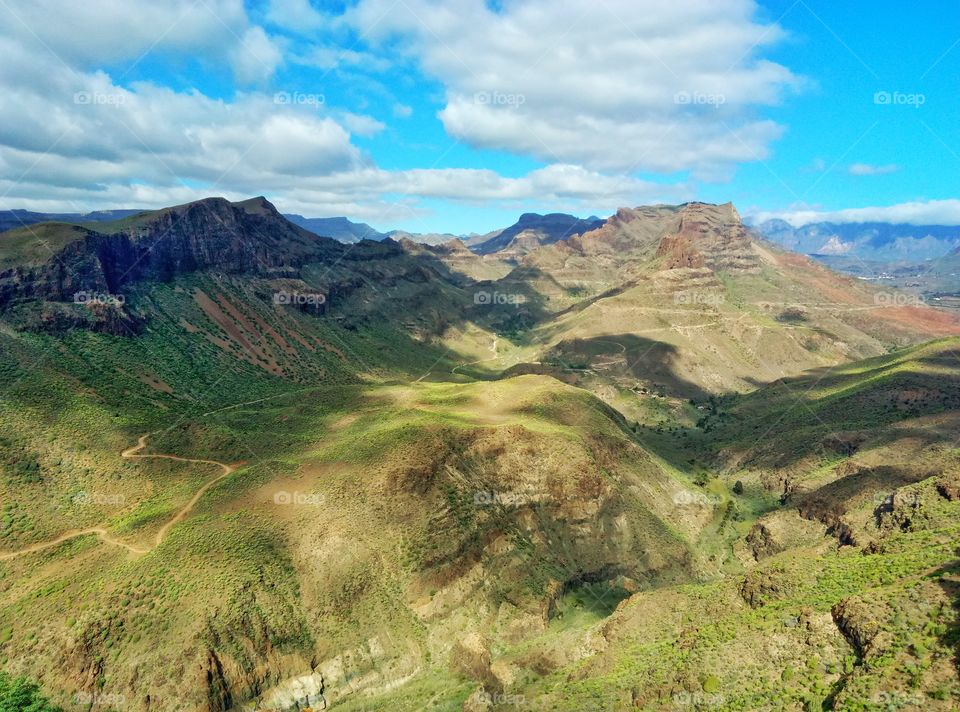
(716, 234)
(858, 624)
(298, 693)
(471, 659)
(763, 586)
(903, 510)
(948, 487)
(219, 697)
(762, 542)
(679, 251)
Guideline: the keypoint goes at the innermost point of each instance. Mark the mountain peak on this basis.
(257, 206)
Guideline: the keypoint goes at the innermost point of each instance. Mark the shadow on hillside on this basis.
(949, 580)
(831, 413)
(828, 503)
(646, 362)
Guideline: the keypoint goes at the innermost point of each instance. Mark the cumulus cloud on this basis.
(92, 33)
(865, 169)
(76, 133)
(931, 212)
(256, 57)
(654, 86)
(296, 15)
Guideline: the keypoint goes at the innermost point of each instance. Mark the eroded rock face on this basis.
(298, 693)
(208, 233)
(471, 659)
(859, 626)
(948, 487)
(903, 510)
(763, 586)
(679, 252)
(716, 233)
(762, 542)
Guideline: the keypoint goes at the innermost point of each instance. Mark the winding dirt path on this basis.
(73, 534)
(131, 454)
(495, 356)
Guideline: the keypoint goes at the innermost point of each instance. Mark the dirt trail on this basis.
(73, 534)
(493, 349)
(130, 454)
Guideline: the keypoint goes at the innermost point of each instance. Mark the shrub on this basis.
(19, 695)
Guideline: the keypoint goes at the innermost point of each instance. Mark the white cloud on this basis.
(296, 15)
(931, 212)
(361, 125)
(256, 57)
(329, 58)
(74, 137)
(617, 85)
(865, 169)
(92, 33)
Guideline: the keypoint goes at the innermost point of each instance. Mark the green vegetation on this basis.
(586, 501)
(19, 695)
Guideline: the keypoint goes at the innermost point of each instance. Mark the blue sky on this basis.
(457, 116)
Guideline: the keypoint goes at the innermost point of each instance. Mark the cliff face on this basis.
(208, 234)
(716, 232)
(694, 235)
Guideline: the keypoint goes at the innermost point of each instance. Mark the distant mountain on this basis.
(345, 230)
(11, 219)
(339, 228)
(533, 230)
(870, 241)
(424, 238)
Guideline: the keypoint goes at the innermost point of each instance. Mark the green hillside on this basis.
(336, 475)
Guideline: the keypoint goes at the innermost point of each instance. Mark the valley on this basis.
(659, 463)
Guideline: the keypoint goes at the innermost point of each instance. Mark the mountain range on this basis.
(652, 462)
(876, 241)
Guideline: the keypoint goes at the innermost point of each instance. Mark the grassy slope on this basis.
(264, 584)
(441, 509)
